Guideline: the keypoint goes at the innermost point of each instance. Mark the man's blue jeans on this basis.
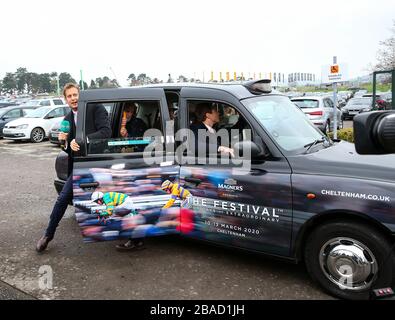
(65, 196)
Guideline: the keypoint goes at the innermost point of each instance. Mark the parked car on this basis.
(4, 104)
(44, 102)
(36, 125)
(303, 198)
(320, 111)
(54, 133)
(355, 106)
(360, 93)
(383, 100)
(8, 114)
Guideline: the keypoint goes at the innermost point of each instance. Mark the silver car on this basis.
(319, 109)
(355, 106)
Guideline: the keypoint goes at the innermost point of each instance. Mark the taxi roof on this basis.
(237, 89)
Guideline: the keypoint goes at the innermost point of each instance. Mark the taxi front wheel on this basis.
(349, 259)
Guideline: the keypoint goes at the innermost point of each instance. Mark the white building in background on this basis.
(279, 79)
(302, 79)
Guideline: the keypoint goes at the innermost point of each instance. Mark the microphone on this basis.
(64, 128)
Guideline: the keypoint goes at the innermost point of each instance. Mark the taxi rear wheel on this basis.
(349, 259)
(37, 135)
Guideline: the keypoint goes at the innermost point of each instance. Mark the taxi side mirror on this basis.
(246, 148)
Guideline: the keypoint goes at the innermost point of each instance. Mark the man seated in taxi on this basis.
(207, 116)
(131, 126)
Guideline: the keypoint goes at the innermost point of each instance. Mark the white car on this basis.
(319, 109)
(36, 125)
(50, 102)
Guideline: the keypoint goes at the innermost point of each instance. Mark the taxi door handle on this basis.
(89, 185)
(256, 171)
(193, 180)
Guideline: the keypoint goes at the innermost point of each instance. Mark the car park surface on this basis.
(316, 197)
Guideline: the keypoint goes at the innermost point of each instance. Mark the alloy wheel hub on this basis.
(348, 263)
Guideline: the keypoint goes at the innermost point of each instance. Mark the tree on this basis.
(181, 78)
(99, 82)
(107, 82)
(143, 79)
(386, 55)
(35, 82)
(115, 83)
(45, 83)
(54, 81)
(9, 83)
(132, 79)
(83, 87)
(29, 80)
(20, 77)
(64, 78)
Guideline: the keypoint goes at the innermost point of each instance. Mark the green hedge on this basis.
(346, 134)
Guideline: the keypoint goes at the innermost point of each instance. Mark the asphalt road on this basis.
(169, 268)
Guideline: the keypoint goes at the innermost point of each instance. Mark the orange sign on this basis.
(335, 69)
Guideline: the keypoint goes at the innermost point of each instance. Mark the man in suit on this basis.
(207, 116)
(97, 126)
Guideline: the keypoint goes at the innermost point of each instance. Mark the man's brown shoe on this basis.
(42, 244)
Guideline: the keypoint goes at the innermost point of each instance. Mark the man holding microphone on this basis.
(97, 127)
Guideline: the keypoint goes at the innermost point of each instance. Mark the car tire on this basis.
(332, 250)
(37, 135)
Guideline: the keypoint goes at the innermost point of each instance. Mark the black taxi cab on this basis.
(285, 190)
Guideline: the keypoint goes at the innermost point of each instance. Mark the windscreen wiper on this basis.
(312, 144)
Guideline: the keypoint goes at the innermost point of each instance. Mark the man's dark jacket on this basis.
(97, 126)
(136, 127)
(210, 143)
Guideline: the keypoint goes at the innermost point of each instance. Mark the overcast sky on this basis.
(119, 37)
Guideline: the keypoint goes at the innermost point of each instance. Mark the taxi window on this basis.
(229, 126)
(130, 122)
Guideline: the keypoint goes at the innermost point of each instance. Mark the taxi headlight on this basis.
(22, 126)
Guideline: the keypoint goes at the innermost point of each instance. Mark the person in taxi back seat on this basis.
(131, 126)
(207, 116)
